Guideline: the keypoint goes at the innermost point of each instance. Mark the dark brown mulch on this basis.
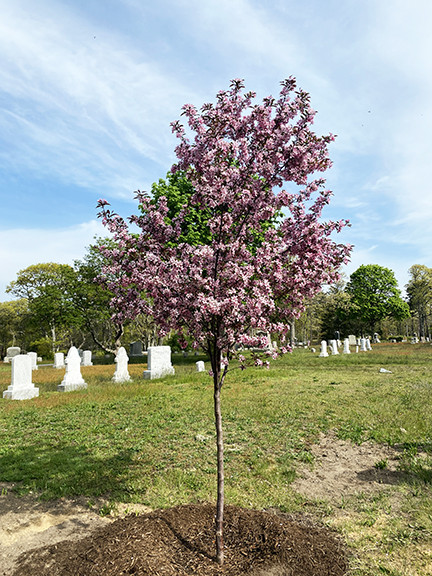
(180, 541)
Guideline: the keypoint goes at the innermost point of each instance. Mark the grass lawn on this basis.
(152, 442)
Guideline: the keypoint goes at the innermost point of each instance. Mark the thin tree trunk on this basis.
(220, 472)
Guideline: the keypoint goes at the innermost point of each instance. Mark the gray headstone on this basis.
(72, 379)
(352, 340)
(121, 373)
(158, 362)
(135, 348)
(362, 344)
(21, 387)
(13, 351)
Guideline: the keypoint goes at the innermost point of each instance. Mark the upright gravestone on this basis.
(352, 340)
(135, 348)
(121, 373)
(200, 366)
(334, 347)
(59, 360)
(368, 344)
(346, 348)
(11, 352)
(158, 362)
(86, 358)
(72, 379)
(362, 344)
(323, 353)
(21, 387)
(33, 356)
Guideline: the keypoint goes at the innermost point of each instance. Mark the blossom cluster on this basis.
(269, 249)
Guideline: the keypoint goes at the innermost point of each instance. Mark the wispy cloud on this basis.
(20, 248)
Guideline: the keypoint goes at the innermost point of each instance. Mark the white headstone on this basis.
(86, 359)
(33, 356)
(362, 344)
(21, 387)
(158, 362)
(368, 344)
(323, 353)
(200, 366)
(121, 373)
(72, 379)
(334, 347)
(346, 349)
(59, 360)
(352, 340)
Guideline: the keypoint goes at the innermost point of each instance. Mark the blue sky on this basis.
(88, 89)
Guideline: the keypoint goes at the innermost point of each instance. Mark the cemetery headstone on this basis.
(323, 353)
(158, 362)
(200, 366)
(135, 348)
(86, 359)
(352, 340)
(121, 373)
(59, 361)
(334, 347)
(368, 344)
(13, 351)
(72, 379)
(346, 349)
(21, 387)
(362, 344)
(33, 356)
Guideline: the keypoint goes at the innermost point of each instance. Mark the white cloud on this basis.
(84, 109)
(20, 248)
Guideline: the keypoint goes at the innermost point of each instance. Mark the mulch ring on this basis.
(180, 541)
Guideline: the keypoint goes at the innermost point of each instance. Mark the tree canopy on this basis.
(375, 295)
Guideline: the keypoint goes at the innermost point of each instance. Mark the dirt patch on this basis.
(180, 541)
(345, 469)
(48, 533)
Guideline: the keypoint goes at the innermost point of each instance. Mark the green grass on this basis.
(152, 442)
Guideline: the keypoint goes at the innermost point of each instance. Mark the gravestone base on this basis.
(70, 386)
(153, 374)
(21, 393)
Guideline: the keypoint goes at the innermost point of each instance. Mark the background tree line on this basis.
(60, 305)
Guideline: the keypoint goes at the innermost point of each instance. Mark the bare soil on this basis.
(66, 537)
(344, 469)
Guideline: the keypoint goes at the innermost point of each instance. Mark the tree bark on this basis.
(220, 471)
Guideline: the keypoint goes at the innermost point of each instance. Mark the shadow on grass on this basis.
(66, 471)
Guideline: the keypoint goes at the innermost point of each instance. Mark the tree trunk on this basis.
(292, 333)
(220, 471)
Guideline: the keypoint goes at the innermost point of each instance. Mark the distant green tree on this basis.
(419, 292)
(14, 324)
(91, 300)
(374, 296)
(46, 288)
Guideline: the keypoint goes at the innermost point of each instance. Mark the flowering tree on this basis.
(262, 249)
